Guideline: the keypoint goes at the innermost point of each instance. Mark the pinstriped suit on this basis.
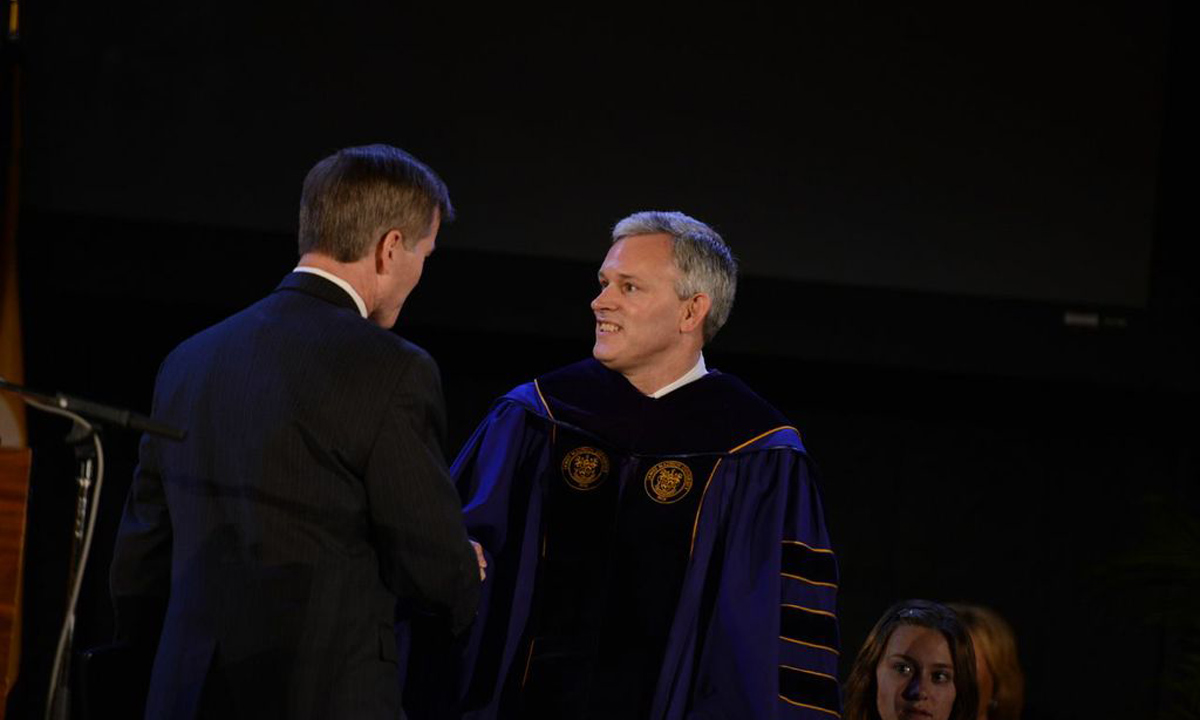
(271, 546)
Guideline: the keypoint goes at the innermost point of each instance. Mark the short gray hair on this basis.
(703, 259)
(354, 195)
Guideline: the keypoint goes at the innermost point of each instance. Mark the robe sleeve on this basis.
(496, 475)
(499, 475)
(771, 645)
(809, 641)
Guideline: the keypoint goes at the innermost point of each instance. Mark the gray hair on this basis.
(704, 260)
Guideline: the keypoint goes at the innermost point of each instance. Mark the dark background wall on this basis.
(984, 151)
(970, 270)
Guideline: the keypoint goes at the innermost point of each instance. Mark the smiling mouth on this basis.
(603, 326)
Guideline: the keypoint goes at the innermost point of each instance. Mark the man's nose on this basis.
(603, 299)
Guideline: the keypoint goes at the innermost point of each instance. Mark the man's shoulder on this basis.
(586, 384)
(735, 392)
(588, 370)
(210, 339)
(278, 322)
(728, 409)
(525, 397)
(535, 393)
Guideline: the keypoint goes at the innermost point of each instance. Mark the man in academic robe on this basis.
(655, 536)
(265, 554)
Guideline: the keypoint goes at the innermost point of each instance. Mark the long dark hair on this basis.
(861, 685)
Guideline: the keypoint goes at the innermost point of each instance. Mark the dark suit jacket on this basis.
(311, 494)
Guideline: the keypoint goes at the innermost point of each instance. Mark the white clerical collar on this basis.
(698, 371)
(362, 306)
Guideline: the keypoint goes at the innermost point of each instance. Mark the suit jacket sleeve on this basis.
(140, 574)
(414, 510)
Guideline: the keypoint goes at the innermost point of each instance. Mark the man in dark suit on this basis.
(266, 553)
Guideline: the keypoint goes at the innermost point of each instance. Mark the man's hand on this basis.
(482, 561)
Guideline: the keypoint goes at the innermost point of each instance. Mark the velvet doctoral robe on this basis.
(662, 558)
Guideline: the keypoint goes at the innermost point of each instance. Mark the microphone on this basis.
(106, 414)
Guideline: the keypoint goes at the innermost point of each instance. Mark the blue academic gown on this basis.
(753, 632)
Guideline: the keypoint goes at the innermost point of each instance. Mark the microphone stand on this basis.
(85, 440)
(89, 453)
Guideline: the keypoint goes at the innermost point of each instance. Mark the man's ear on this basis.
(387, 251)
(694, 312)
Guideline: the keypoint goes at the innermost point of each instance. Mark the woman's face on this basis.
(915, 677)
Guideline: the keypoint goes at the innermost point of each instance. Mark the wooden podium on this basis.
(14, 491)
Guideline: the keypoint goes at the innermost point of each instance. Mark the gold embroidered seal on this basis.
(668, 482)
(584, 468)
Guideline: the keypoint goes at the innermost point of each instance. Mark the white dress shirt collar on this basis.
(362, 306)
